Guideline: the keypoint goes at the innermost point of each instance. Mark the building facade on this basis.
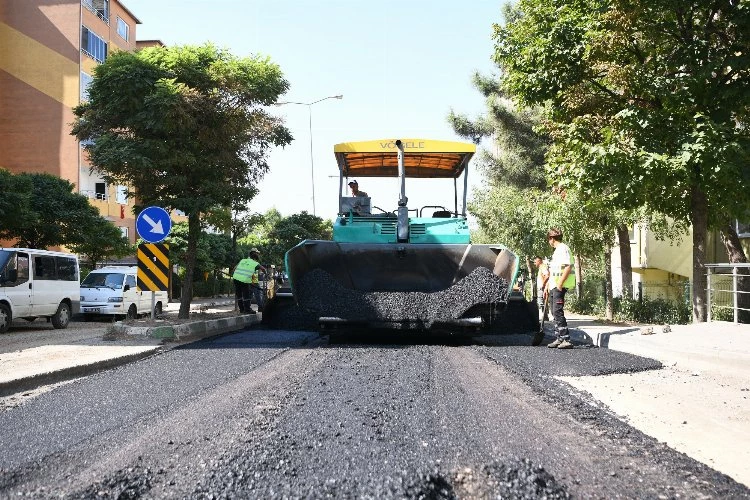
(48, 51)
(663, 268)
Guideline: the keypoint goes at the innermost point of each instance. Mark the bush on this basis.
(212, 287)
(588, 304)
(657, 311)
(721, 313)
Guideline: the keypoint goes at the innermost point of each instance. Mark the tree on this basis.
(516, 207)
(646, 100)
(100, 241)
(186, 127)
(15, 204)
(56, 215)
(291, 230)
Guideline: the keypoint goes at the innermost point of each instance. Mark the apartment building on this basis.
(48, 50)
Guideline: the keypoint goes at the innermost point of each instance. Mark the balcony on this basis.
(98, 7)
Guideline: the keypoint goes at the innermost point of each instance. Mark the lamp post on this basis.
(312, 163)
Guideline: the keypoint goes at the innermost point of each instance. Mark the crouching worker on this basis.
(244, 274)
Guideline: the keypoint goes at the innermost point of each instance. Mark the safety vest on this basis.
(245, 270)
(556, 266)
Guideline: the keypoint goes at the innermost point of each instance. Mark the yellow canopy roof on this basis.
(422, 158)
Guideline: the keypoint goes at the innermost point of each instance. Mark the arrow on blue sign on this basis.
(153, 224)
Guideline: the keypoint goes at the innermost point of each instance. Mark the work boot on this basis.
(565, 344)
(556, 343)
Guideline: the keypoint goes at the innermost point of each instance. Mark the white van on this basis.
(112, 290)
(38, 283)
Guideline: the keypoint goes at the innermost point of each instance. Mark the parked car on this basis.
(38, 283)
(112, 290)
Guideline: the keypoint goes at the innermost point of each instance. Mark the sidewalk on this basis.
(716, 347)
(698, 404)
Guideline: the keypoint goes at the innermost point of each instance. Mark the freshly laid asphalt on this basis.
(35, 354)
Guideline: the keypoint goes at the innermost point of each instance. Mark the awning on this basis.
(422, 158)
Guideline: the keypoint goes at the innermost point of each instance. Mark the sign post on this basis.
(153, 225)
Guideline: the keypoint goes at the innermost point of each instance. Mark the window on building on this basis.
(743, 229)
(98, 7)
(124, 231)
(123, 29)
(121, 195)
(100, 188)
(93, 45)
(86, 80)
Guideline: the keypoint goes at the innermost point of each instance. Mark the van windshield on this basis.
(110, 280)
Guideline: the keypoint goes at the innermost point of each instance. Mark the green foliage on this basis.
(291, 230)
(644, 99)
(15, 204)
(274, 234)
(646, 102)
(653, 311)
(100, 241)
(719, 313)
(187, 127)
(54, 215)
(212, 287)
(646, 311)
(214, 251)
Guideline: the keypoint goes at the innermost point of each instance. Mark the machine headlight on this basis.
(114, 299)
(83, 298)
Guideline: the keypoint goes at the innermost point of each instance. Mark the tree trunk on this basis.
(737, 256)
(623, 236)
(194, 232)
(699, 220)
(608, 306)
(579, 275)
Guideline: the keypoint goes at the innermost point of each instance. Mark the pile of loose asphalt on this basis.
(322, 296)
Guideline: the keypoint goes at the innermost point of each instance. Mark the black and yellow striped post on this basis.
(153, 267)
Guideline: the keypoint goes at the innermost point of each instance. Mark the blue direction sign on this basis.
(153, 224)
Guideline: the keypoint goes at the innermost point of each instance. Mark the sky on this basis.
(401, 66)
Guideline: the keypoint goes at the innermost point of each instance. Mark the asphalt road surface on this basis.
(286, 414)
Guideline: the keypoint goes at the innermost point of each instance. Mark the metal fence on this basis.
(728, 292)
(671, 290)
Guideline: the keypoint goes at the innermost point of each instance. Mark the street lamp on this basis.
(312, 164)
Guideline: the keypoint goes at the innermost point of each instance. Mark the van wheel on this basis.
(62, 316)
(132, 312)
(157, 309)
(5, 318)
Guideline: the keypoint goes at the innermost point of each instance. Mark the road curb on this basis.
(194, 330)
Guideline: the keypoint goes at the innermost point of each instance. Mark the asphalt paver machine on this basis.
(409, 267)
